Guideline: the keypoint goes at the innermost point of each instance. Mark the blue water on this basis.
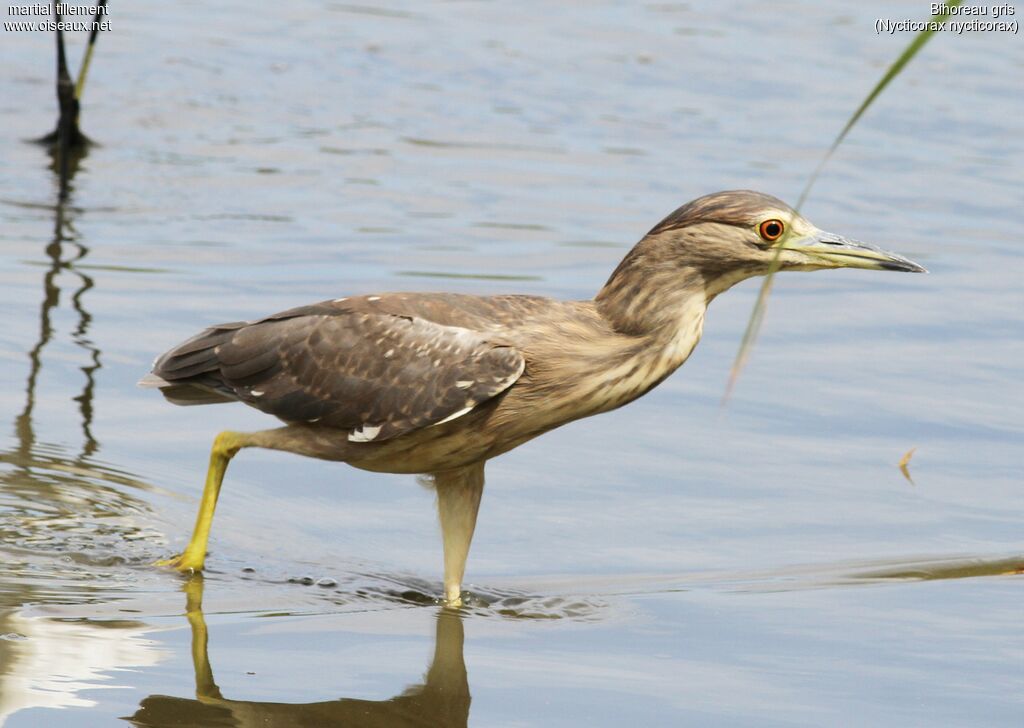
(673, 562)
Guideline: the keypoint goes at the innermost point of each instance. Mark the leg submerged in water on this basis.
(225, 445)
(458, 501)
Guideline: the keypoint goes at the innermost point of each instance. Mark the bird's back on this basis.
(378, 366)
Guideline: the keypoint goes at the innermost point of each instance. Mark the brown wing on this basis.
(376, 375)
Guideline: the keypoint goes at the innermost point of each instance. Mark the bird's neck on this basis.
(657, 312)
(651, 324)
(651, 300)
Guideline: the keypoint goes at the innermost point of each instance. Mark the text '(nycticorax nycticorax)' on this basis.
(439, 383)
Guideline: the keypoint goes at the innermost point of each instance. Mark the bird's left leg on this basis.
(458, 500)
(225, 445)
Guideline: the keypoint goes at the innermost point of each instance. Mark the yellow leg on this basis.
(458, 500)
(225, 445)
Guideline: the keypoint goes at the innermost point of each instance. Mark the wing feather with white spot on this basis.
(376, 375)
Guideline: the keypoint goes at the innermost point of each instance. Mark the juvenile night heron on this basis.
(439, 383)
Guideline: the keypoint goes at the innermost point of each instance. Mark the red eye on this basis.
(771, 230)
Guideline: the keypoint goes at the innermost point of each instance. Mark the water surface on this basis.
(669, 563)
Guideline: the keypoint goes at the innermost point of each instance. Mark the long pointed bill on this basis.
(835, 251)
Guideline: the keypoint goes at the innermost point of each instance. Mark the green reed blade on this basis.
(757, 314)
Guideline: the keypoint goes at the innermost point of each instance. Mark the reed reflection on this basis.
(442, 699)
(56, 499)
(62, 252)
(67, 148)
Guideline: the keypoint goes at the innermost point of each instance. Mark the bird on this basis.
(437, 384)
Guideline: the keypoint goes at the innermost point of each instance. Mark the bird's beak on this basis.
(835, 251)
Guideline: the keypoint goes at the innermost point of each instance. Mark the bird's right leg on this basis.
(225, 445)
(458, 500)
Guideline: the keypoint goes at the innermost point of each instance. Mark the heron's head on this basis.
(710, 244)
(736, 234)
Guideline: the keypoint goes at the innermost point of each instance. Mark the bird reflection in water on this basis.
(442, 699)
